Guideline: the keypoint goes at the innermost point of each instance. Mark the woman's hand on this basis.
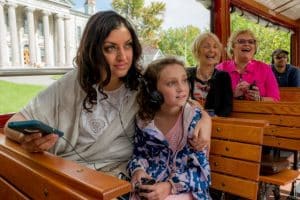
(38, 143)
(158, 191)
(241, 89)
(253, 94)
(34, 142)
(202, 136)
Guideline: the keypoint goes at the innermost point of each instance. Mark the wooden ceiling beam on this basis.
(264, 12)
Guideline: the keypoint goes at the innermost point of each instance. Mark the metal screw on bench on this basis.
(46, 192)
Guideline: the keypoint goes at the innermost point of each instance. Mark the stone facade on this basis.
(39, 33)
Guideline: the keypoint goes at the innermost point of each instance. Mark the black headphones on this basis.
(156, 99)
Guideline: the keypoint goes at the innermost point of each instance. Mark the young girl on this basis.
(165, 122)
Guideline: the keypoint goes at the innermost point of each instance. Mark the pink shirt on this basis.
(257, 72)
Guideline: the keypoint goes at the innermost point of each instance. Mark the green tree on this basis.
(146, 19)
(269, 38)
(178, 41)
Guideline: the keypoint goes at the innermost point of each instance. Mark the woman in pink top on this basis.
(251, 79)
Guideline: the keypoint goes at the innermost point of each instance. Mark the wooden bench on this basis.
(284, 118)
(235, 155)
(283, 132)
(289, 94)
(26, 175)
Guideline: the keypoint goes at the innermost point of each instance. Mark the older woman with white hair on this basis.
(209, 86)
(251, 79)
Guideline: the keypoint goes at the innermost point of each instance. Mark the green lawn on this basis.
(14, 96)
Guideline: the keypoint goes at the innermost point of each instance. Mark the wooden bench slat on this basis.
(282, 178)
(9, 192)
(238, 150)
(282, 143)
(286, 132)
(235, 167)
(233, 132)
(281, 120)
(290, 108)
(289, 94)
(241, 187)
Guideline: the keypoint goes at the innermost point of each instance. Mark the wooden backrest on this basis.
(3, 120)
(284, 118)
(235, 155)
(290, 94)
(45, 176)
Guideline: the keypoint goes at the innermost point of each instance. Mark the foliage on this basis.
(178, 41)
(14, 96)
(269, 39)
(146, 19)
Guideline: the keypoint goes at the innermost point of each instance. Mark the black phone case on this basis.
(33, 126)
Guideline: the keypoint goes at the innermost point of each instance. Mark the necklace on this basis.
(204, 75)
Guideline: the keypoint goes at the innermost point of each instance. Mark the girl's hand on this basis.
(158, 191)
(38, 143)
(136, 177)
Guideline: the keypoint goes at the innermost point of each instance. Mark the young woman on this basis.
(165, 123)
(95, 104)
(209, 86)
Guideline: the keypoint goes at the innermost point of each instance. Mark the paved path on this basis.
(35, 80)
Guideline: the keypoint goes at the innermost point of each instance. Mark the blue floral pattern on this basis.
(186, 169)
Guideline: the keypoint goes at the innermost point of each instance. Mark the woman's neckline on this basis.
(204, 74)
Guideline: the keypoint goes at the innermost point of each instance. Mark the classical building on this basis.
(40, 33)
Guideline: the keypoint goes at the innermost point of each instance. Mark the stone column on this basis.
(31, 35)
(14, 33)
(3, 41)
(46, 37)
(68, 48)
(60, 40)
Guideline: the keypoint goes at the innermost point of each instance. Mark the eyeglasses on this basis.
(280, 57)
(244, 41)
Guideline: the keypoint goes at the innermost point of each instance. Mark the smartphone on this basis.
(34, 126)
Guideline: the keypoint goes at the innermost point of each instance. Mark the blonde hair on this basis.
(200, 39)
(233, 37)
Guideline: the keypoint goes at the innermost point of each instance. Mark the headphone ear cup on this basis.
(156, 98)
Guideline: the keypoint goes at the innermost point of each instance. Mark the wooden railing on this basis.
(25, 175)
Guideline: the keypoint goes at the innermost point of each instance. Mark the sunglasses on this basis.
(280, 57)
(244, 41)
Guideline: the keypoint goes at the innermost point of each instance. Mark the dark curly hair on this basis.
(90, 58)
(147, 108)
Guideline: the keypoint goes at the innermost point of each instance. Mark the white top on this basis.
(93, 124)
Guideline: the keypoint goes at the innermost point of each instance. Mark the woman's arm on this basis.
(202, 134)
